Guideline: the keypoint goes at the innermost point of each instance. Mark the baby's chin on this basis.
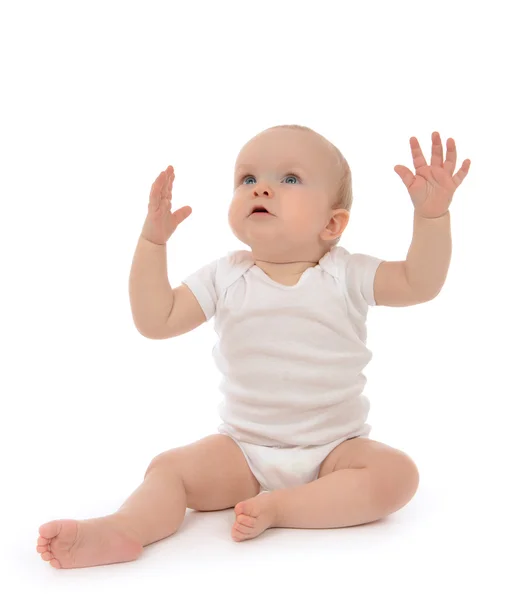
(268, 239)
(281, 253)
(265, 236)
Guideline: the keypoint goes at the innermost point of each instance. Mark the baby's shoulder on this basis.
(232, 266)
(335, 261)
(239, 257)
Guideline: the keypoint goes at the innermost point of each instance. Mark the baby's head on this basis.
(303, 181)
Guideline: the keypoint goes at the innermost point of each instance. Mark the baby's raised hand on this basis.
(160, 222)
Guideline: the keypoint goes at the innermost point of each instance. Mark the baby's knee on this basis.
(169, 461)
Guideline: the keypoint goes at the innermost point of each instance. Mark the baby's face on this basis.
(294, 175)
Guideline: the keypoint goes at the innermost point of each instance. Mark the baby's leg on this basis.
(211, 474)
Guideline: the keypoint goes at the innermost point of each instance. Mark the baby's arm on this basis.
(159, 312)
(391, 287)
(421, 276)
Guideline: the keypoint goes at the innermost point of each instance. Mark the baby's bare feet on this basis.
(253, 517)
(68, 544)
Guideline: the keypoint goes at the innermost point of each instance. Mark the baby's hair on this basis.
(343, 198)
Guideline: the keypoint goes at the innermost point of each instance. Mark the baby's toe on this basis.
(49, 531)
(244, 529)
(239, 508)
(42, 545)
(42, 541)
(246, 520)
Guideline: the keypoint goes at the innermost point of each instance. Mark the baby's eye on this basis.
(243, 180)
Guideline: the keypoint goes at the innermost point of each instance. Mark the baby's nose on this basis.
(262, 189)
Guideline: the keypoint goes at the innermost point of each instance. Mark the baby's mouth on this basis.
(260, 210)
(260, 215)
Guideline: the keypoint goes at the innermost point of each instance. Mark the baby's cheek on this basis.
(234, 220)
(301, 231)
(303, 220)
(234, 212)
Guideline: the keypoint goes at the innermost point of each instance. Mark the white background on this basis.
(98, 98)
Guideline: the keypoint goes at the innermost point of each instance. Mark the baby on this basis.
(292, 449)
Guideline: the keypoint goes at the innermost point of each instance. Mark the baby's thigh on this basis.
(214, 472)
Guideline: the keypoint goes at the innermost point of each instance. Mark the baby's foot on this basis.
(69, 544)
(253, 517)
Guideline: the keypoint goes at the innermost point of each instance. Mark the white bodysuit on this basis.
(292, 359)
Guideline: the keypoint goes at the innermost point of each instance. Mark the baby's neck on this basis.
(286, 273)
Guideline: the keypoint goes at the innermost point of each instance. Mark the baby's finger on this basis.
(167, 182)
(171, 176)
(158, 192)
(157, 184)
(161, 179)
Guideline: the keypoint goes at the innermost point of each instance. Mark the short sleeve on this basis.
(360, 274)
(202, 283)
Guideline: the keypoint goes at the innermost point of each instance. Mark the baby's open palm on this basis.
(161, 222)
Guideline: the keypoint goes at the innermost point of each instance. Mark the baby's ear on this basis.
(337, 224)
